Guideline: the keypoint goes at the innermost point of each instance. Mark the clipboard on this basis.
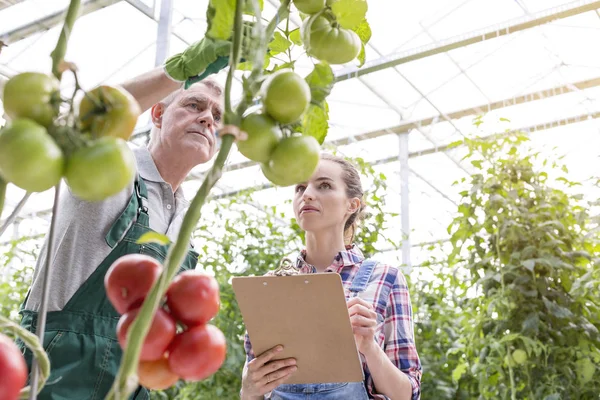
(308, 315)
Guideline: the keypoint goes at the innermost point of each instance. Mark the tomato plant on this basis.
(198, 352)
(294, 159)
(156, 375)
(129, 279)
(263, 135)
(286, 96)
(101, 169)
(13, 370)
(109, 111)
(162, 331)
(29, 157)
(32, 95)
(309, 6)
(193, 298)
(329, 42)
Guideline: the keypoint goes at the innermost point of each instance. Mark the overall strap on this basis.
(361, 280)
(137, 209)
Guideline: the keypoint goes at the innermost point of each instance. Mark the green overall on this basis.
(81, 339)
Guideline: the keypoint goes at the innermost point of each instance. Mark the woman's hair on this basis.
(353, 189)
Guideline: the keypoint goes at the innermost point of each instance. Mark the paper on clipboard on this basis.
(308, 315)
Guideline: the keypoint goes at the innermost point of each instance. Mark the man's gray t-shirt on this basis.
(79, 235)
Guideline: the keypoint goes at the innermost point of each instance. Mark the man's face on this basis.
(188, 125)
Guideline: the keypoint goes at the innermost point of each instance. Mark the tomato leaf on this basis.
(220, 15)
(349, 13)
(153, 237)
(279, 44)
(295, 37)
(283, 66)
(320, 81)
(361, 56)
(249, 8)
(363, 30)
(315, 121)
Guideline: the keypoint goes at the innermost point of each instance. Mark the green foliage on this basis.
(16, 269)
(523, 274)
(249, 239)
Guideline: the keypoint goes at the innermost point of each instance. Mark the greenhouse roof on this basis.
(432, 67)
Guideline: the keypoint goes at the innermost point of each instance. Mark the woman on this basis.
(327, 208)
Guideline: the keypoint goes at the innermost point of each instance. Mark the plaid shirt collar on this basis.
(347, 258)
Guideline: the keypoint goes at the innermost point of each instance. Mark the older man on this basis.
(80, 336)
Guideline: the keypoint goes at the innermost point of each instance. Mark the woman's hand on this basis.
(364, 324)
(261, 375)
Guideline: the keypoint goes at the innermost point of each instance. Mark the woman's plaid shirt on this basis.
(388, 292)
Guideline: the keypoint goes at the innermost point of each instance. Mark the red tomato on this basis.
(198, 352)
(13, 370)
(156, 375)
(129, 279)
(193, 298)
(161, 333)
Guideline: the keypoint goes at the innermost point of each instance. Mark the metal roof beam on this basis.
(506, 28)
(51, 20)
(410, 125)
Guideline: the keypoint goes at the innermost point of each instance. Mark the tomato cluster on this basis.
(180, 343)
(39, 146)
(13, 369)
(285, 159)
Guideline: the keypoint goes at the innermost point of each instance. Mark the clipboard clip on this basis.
(286, 268)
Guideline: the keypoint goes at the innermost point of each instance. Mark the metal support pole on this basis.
(163, 36)
(404, 201)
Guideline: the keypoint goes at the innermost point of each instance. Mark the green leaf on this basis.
(363, 30)
(249, 8)
(458, 372)
(529, 264)
(361, 56)
(283, 66)
(279, 44)
(556, 310)
(315, 121)
(531, 323)
(153, 237)
(220, 15)
(295, 37)
(320, 81)
(476, 163)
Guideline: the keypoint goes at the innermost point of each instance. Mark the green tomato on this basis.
(519, 356)
(263, 135)
(294, 160)
(326, 41)
(100, 170)
(32, 95)
(29, 157)
(309, 6)
(349, 13)
(286, 96)
(272, 176)
(109, 111)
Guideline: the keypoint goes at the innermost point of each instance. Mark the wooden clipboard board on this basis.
(308, 315)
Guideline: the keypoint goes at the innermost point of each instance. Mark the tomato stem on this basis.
(41, 321)
(3, 184)
(33, 343)
(126, 380)
(60, 50)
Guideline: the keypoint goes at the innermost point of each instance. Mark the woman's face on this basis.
(321, 203)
